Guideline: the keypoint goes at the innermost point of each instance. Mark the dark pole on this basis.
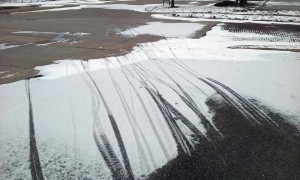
(172, 3)
(243, 2)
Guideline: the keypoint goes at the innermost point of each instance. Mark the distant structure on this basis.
(241, 2)
(238, 2)
(171, 3)
(168, 2)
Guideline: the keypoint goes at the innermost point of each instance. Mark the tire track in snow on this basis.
(242, 110)
(100, 138)
(231, 101)
(191, 126)
(245, 108)
(182, 143)
(132, 121)
(115, 128)
(35, 165)
(143, 82)
(241, 106)
(187, 99)
(196, 108)
(75, 134)
(226, 97)
(183, 119)
(124, 69)
(193, 105)
(257, 112)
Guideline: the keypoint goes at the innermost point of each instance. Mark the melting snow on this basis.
(49, 33)
(70, 101)
(226, 13)
(8, 46)
(169, 30)
(57, 3)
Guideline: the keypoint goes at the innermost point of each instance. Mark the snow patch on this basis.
(226, 13)
(209, 18)
(8, 46)
(169, 30)
(72, 94)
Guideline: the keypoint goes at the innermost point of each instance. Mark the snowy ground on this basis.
(127, 116)
(281, 4)
(56, 37)
(22, 3)
(227, 13)
(183, 10)
(135, 112)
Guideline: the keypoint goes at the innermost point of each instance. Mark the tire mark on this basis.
(182, 143)
(188, 100)
(114, 126)
(35, 165)
(103, 145)
(183, 119)
(192, 104)
(132, 121)
(228, 99)
(148, 117)
(75, 136)
(257, 112)
(193, 128)
(238, 105)
(143, 79)
(125, 71)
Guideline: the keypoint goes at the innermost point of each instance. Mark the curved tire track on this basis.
(115, 128)
(132, 121)
(104, 147)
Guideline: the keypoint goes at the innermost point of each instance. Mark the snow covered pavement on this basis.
(127, 116)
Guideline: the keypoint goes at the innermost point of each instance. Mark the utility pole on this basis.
(243, 2)
(172, 3)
